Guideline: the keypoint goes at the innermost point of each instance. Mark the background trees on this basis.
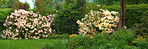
(6, 3)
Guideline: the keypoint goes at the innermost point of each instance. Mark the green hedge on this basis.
(133, 12)
(58, 36)
(3, 15)
(65, 21)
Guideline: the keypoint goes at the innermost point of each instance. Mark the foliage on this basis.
(66, 19)
(104, 41)
(97, 21)
(124, 34)
(143, 44)
(113, 2)
(27, 6)
(133, 13)
(58, 36)
(69, 13)
(81, 3)
(57, 4)
(43, 6)
(6, 3)
(19, 5)
(3, 15)
(57, 45)
(80, 41)
(0, 34)
(27, 25)
(89, 6)
(101, 41)
(136, 2)
(3, 3)
(141, 28)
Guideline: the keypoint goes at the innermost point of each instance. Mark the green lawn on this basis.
(25, 43)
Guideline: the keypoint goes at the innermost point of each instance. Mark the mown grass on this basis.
(25, 43)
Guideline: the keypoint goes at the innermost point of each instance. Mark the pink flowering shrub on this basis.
(27, 25)
(98, 21)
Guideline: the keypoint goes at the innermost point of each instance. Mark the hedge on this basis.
(58, 36)
(133, 13)
(3, 15)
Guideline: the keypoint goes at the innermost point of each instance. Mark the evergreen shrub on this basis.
(133, 13)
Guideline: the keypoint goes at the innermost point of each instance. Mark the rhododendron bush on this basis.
(98, 21)
(27, 25)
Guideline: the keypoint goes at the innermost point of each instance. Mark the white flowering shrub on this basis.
(98, 21)
(27, 25)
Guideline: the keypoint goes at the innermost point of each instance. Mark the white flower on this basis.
(11, 16)
(10, 27)
(114, 13)
(106, 13)
(10, 22)
(15, 11)
(78, 21)
(26, 29)
(86, 15)
(98, 5)
(35, 29)
(4, 24)
(116, 19)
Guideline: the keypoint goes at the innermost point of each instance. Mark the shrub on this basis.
(0, 34)
(143, 44)
(66, 18)
(124, 34)
(3, 15)
(58, 36)
(104, 41)
(80, 42)
(141, 28)
(96, 21)
(133, 13)
(101, 41)
(27, 25)
(57, 45)
(89, 6)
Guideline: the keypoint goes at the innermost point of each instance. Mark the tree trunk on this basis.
(122, 15)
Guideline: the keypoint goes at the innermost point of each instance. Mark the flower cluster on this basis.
(27, 25)
(98, 21)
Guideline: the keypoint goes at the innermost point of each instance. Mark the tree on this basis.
(81, 3)
(6, 3)
(123, 14)
(19, 5)
(43, 6)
